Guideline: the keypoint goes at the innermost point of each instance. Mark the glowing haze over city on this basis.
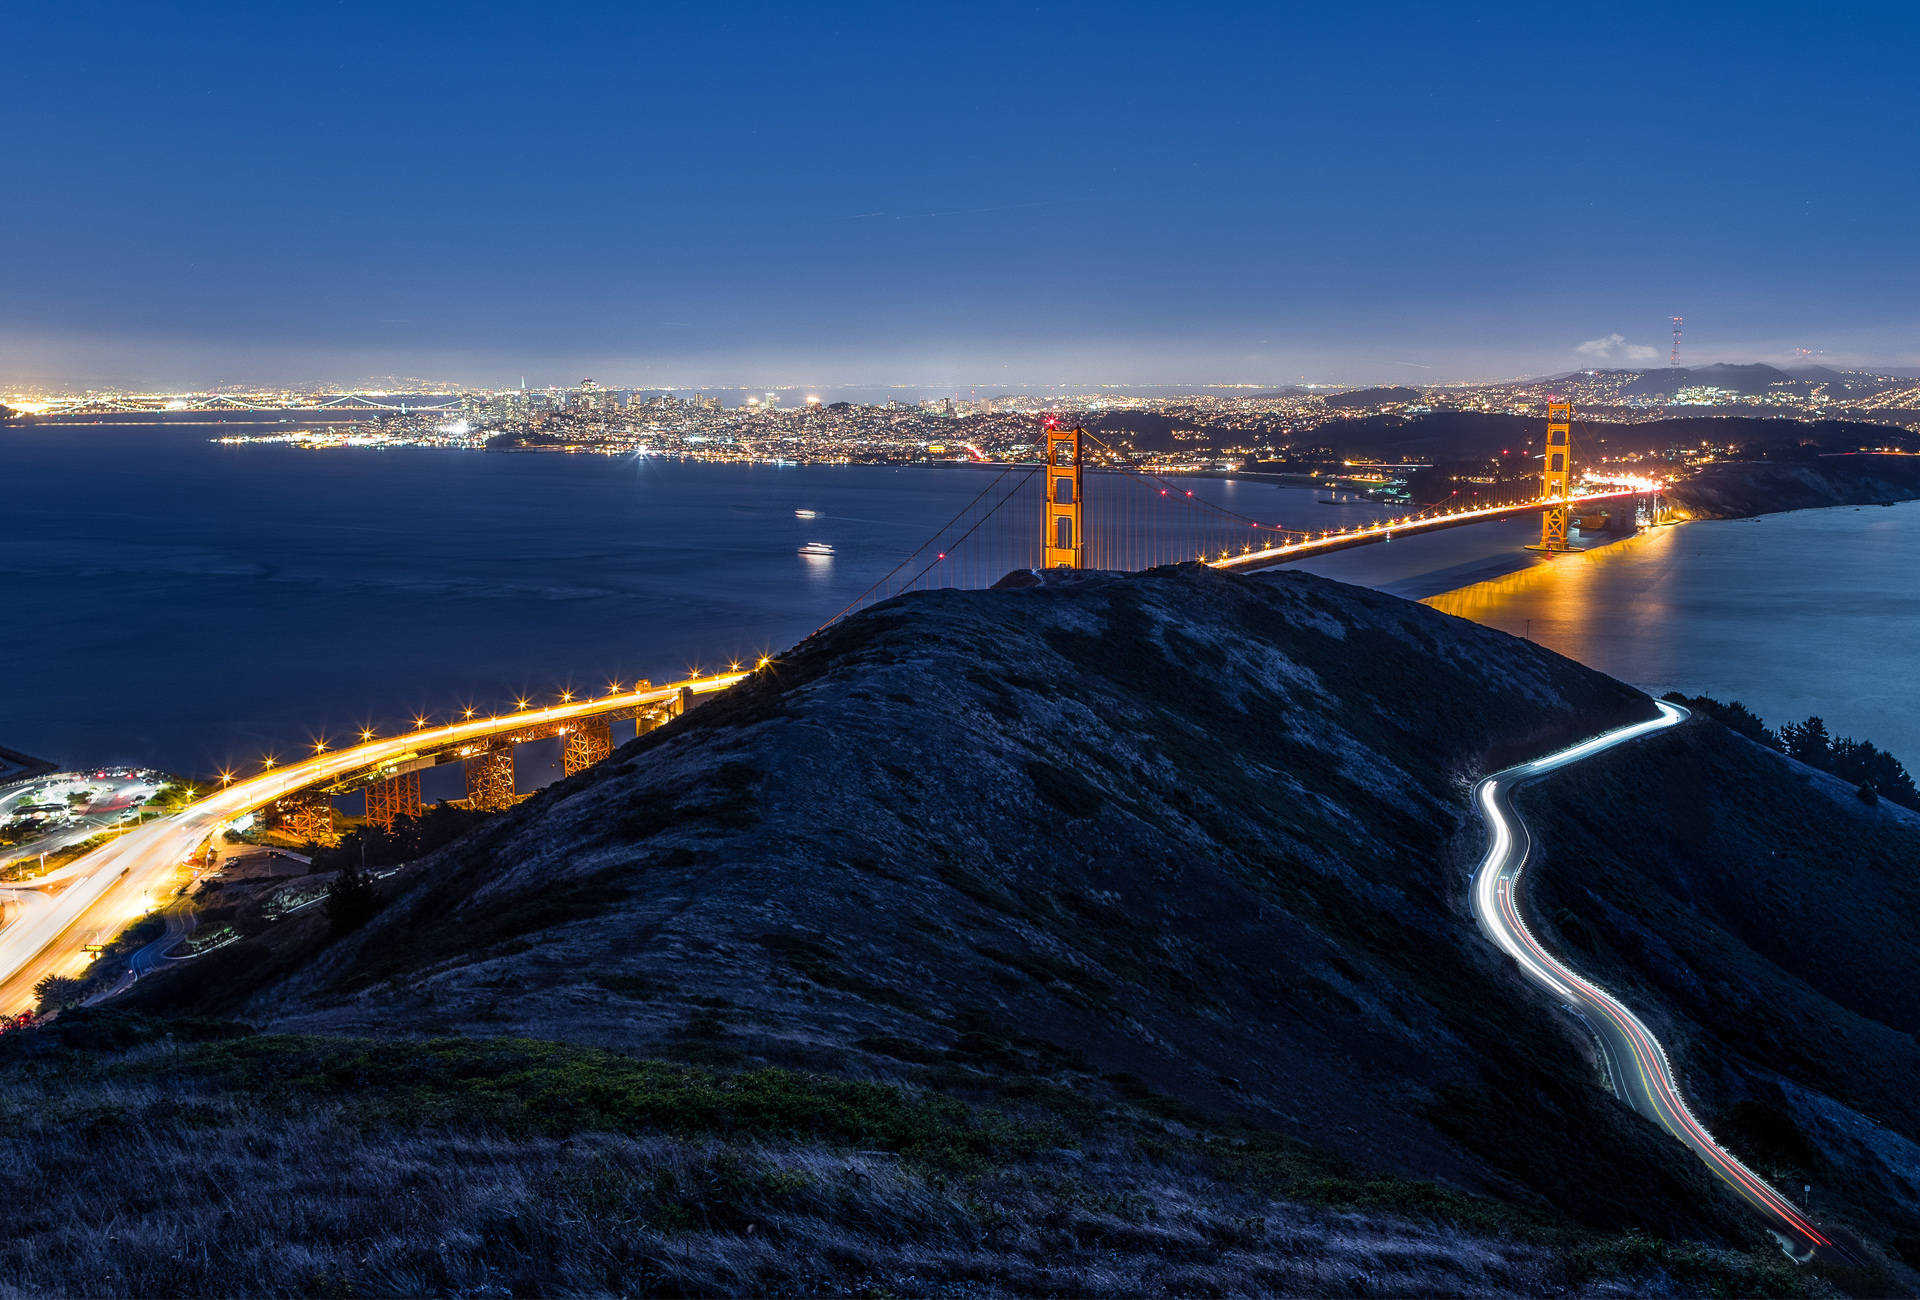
(951, 197)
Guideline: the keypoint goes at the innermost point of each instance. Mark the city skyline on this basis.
(949, 198)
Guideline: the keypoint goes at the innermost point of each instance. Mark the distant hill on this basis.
(1750, 379)
(1364, 397)
(1460, 435)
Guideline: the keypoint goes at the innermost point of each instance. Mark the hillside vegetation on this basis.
(1102, 936)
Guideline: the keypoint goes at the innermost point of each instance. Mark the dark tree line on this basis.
(1871, 770)
(352, 899)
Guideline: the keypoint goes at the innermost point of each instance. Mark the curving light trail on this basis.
(1636, 1062)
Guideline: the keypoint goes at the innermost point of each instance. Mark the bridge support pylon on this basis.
(490, 779)
(305, 815)
(392, 799)
(1062, 543)
(1556, 479)
(588, 741)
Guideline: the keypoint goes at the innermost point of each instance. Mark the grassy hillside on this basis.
(1103, 936)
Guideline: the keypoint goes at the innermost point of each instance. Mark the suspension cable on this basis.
(1147, 475)
(938, 533)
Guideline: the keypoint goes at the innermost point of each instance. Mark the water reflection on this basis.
(1812, 612)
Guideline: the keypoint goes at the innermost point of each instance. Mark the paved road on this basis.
(1636, 1062)
(121, 881)
(180, 923)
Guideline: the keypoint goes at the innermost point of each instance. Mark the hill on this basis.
(1736, 489)
(1442, 436)
(1361, 398)
(1107, 935)
(1750, 378)
(1745, 904)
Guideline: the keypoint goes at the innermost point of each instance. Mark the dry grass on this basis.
(140, 1174)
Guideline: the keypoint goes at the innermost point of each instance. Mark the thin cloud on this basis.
(1614, 347)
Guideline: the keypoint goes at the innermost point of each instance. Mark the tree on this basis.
(1732, 714)
(351, 901)
(58, 991)
(1809, 742)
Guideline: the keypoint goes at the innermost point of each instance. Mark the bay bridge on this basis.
(1083, 504)
(259, 404)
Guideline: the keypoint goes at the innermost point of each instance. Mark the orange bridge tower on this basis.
(1062, 543)
(1556, 478)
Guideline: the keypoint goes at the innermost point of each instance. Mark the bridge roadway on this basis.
(121, 881)
(1341, 540)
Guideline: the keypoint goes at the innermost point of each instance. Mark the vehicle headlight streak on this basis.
(1496, 884)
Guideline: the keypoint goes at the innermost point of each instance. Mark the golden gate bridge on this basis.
(1089, 505)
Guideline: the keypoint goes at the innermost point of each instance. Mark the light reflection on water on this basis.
(1812, 612)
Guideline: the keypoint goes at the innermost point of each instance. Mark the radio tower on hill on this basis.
(1673, 358)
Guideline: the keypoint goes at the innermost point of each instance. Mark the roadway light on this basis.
(419, 722)
(613, 688)
(268, 761)
(519, 702)
(469, 711)
(735, 665)
(226, 778)
(319, 746)
(366, 734)
(566, 697)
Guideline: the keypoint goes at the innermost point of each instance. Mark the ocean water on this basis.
(175, 602)
(168, 601)
(1812, 612)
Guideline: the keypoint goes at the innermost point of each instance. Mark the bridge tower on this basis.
(588, 741)
(490, 779)
(1556, 478)
(393, 798)
(1062, 541)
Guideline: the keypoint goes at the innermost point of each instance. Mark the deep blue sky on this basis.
(953, 196)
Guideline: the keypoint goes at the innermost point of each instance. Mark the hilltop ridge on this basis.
(1135, 903)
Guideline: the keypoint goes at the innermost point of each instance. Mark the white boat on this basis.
(805, 514)
(816, 548)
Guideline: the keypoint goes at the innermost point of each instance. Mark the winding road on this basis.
(1636, 1062)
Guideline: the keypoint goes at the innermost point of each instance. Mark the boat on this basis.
(806, 514)
(816, 548)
